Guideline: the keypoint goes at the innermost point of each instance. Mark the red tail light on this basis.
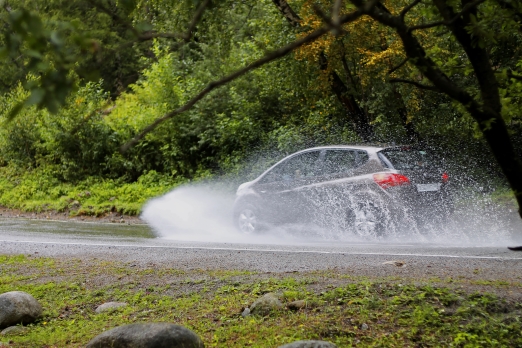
(386, 180)
(445, 177)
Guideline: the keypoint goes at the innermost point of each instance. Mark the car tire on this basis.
(366, 215)
(246, 219)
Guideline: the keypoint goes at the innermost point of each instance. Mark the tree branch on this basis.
(196, 19)
(409, 7)
(511, 74)
(335, 28)
(114, 16)
(416, 84)
(288, 12)
(400, 65)
(186, 36)
(336, 12)
(469, 6)
(269, 57)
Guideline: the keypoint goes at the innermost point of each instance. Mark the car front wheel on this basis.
(247, 219)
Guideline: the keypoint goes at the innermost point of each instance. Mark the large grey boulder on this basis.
(266, 304)
(147, 335)
(309, 344)
(18, 307)
(109, 306)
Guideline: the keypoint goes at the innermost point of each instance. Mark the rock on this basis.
(246, 312)
(266, 304)
(364, 326)
(17, 307)
(149, 335)
(112, 199)
(14, 330)
(109, 306)
(75, 204)
(395, 263)
(296, 305)
(309, 344)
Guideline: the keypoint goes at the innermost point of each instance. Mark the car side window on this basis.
(339, 161)
(297, 167)
(362, 157)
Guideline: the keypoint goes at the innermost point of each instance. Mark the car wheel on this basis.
(366, 216)
(247, 219)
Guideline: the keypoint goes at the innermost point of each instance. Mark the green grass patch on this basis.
(210, 302)
(39, 192)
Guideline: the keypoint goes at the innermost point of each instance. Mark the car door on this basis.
(278, 188)
(333, 181)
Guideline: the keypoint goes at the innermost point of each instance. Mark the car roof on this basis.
(372, 148)
(355, 147)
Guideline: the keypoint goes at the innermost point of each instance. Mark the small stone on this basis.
(309, 344)
(296, 305)
(364, 326)
(147, 335)
(112, 199)
(246, 312)
(18, 307)
(395, 263)
(14, 330)
(109, 306)
(266, 304)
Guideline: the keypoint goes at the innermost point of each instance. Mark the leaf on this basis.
(36, 97)
(14, 111)
(127, 5)
(56, 39)
(144, 27)
(34, 54)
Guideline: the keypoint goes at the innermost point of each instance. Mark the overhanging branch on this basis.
(149, 35)
(409, 7)
(468, 7)
(400, 65)
(269, 57)
(416, 84)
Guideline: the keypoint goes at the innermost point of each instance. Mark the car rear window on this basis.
(410, 159)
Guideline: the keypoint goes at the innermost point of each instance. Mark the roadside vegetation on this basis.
(340, 308)
(87, 86)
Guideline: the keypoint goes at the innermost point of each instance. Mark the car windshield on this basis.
(410, 159)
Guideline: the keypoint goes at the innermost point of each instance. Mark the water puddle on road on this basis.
(74, 229)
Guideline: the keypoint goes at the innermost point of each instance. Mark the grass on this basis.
(40, 192)
(397, 314)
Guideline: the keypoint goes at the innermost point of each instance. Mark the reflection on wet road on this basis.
(72, 229)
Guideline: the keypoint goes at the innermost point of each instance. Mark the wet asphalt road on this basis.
(137, 245)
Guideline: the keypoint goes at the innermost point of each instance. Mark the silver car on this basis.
(365, 190)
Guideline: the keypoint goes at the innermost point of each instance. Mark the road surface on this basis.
(136, 244)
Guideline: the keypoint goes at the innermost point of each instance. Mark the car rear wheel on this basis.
(247, 219)
(366, 216)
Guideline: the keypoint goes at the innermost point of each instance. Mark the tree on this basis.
(466, 25)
